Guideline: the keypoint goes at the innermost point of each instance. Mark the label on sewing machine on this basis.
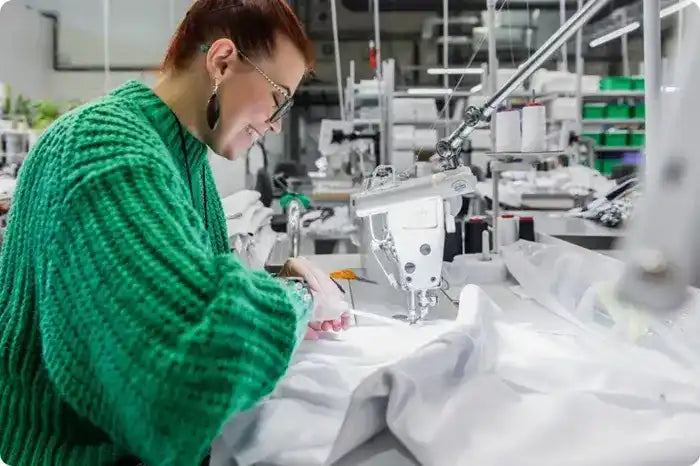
(460, 186)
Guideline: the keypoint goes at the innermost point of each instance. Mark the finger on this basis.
(311, 334)
(315, 326)
(337, 325)
(327, 326)
(346, 320)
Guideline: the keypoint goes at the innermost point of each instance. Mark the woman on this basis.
(127, 329)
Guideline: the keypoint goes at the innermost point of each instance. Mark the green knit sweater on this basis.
(126, 325)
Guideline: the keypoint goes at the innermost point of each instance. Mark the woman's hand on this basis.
(329, 309)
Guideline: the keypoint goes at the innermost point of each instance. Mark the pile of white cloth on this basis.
(482, 390)
(7, 187)
(338, 224)
(248, 223)
(576, 180)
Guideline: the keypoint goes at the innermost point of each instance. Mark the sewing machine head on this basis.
(408, 238)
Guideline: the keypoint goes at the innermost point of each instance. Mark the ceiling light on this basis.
(459, 71)
(669, 10)
(615, 34)
(676, 7)
(461, 40)
(429, 91)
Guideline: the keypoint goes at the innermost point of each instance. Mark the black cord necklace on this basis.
(183, 145)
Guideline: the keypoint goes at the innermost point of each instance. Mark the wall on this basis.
(25, 64)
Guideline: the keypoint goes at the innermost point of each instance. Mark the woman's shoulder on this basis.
(108, 114)
(107, 124)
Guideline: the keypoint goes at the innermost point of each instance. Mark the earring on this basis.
(213, 109)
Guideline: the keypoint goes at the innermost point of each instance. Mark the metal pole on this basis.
(105, 25)
(445, 59)
(579, 85)
(541, 55)
(338, 70)
(382, 101)
(493, 87)
(377, 38)
(493, 62)
(564, 51)
(351, 93)
(625, 47)
(496, 206)
(652, 81)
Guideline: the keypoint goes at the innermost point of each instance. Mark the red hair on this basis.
(251, 24)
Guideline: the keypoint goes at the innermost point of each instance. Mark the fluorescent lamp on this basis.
(455, 71)
(676, 7)
(615, 34)
(476, 88)
(457, 40)
(669, 10)
(429, 91)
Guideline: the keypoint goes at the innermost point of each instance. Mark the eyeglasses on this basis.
(283, 100)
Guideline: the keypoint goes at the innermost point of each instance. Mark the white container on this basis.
(534, 128)
(508, 136)
(507, 230)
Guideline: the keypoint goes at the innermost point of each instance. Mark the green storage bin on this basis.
(639, 111)
(637, 138)
(600, 165)
(595, 111)
(616, 83)
(616, 138)
(607, 165)
(617, 111)
(638, 84)
(597, 137)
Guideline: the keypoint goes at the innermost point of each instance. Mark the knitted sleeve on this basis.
(146, 332)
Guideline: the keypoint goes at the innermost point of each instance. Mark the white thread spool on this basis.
(507, 230)
(534, 128)
(508, 138)
(485, 248)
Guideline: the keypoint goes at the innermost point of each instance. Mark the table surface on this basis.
(557, 224)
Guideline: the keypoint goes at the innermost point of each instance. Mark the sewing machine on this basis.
(407, 220)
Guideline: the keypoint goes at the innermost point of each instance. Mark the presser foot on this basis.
(413, 317)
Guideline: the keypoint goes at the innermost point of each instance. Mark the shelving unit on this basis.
(613, 121)
(619, 149)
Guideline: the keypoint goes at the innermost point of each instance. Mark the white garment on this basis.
(339, 224)
(238, 203)
(315, 393)
(482, 391)
(248, 227)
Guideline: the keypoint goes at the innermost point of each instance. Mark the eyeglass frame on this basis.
(282, 109)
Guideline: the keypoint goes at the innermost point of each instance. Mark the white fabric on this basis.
(579, 286)
(481, 391)
(239, 202)
(7, 187)
(248, 227)
(339, 224)
(572, 180)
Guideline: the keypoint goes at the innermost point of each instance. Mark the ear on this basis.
(221, 58)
